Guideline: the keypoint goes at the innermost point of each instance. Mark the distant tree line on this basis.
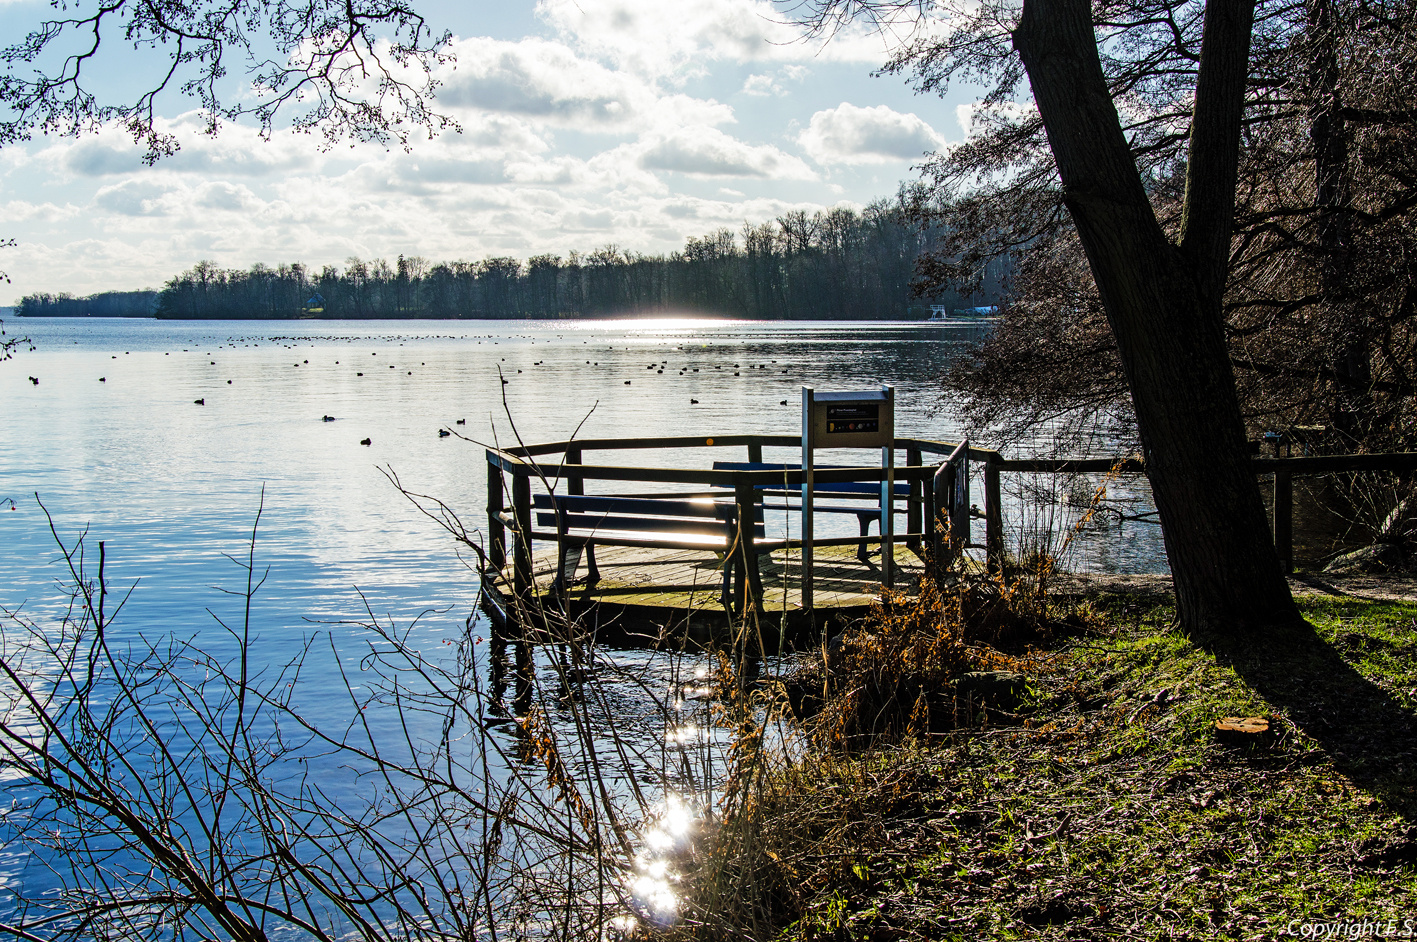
(834, 264)
(103, 304)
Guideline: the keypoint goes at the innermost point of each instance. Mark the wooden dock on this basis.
(659, 533)
(654, 528)
(648, 593)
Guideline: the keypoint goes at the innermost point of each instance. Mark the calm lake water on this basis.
(110, 438)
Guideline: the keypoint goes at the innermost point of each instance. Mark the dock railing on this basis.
(939, 490)
(527, 464)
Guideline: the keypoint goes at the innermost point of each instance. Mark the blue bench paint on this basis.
(864, 488)
(583, 521)
(850, 490)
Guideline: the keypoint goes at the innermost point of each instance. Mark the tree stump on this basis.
(1242, 730)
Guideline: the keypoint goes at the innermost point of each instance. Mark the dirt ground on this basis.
(1386, 587)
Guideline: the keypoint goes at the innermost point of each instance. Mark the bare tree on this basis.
(1162, 294)
(361, 69)
(177, 788)
(8, 344)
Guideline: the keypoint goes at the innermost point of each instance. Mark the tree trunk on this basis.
(1163, 302)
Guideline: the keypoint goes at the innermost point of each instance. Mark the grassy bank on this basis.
(1103, 804)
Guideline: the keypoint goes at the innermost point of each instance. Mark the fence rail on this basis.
(938, 488)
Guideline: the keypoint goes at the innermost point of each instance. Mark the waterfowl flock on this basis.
(657, 367)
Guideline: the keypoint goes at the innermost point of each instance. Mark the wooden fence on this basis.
(939, 486)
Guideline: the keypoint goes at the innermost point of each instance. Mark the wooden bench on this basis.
(851, 490)
(580, 522)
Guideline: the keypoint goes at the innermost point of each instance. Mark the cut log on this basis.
(1242, 730)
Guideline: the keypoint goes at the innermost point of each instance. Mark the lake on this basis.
(112, 438)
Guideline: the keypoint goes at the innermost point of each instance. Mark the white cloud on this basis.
(495, 133)
(848, 134)
(16, 211)
(432, 175)
(678, 110)
(660, 37)
(558, 171)
(222, 196)
(544, 85)
(541, 80)
(761, 83)
(770, 83)
(236, 151)
(619, 172)
(136, 197)
(100, 156)
(709, 152)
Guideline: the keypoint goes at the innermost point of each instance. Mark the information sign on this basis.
(864, 419)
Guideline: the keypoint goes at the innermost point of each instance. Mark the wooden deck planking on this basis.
(691, 579)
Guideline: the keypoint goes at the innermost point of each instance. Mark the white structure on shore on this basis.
(939, 312)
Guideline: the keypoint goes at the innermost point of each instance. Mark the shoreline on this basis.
(1107, 804)
(1386, 587)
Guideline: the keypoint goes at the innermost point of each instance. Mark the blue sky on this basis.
(585, 123)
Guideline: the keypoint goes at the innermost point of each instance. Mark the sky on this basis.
(586, 123)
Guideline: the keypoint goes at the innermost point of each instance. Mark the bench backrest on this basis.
(848, 489)
(637, 515)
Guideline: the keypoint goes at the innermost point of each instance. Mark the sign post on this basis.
(863, 419)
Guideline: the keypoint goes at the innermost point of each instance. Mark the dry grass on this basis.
(895, 678)
(795, 823)
(1103, 808)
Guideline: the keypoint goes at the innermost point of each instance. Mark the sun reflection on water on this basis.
(700, 688)
(656, 872)
(682, 736)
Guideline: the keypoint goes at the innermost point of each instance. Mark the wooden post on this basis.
(808, 486)
(960, 500)
(929, 511)
(755, 452)
(993, 515)
(521, 548)
(751, 588)
(952, 502)
(575, 483)
(888, 517)
(915, 510)
(1284, 519)
(942, 486)
(496, 530)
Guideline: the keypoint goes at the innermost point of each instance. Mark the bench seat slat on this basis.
(619, 539)
(864, 488)
(608, 524)
(858, 509)
(649, 506)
